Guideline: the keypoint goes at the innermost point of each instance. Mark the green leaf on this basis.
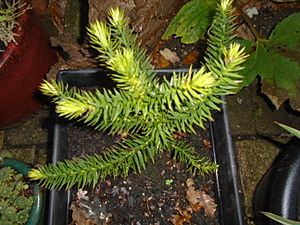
(291, 130)
(192, 21)
(277, 62)
(280, 219)
(287, 32)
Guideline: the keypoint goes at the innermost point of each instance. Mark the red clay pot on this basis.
(22, 68)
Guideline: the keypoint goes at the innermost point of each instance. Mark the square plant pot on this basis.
(226, 181)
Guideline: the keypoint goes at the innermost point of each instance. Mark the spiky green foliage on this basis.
(148, 109)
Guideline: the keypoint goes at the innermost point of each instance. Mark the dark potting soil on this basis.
(154, 197)
(269, 15)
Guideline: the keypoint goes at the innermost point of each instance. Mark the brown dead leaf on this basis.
(157, 60)
(278, 96)
(80, 216)
(162, 63)
(191, 58)
(179, 135)
(244, 32)
(200, 200)
(57, 11)
(184, 215)
(169, 55)
(207, 143)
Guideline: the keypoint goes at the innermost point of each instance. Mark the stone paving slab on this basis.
(251, 114)
(254, 158)
(240, 113)
(32, 132)
(265, 115)
(26, 155)
(27, 141)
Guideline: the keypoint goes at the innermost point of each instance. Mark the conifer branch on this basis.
(143, 105)
(131, 155)
(195, 164)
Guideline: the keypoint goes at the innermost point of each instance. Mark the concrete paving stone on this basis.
(41, 156)
(26, 155)
(265, 115)
(33, 131)
(241, 123)
(254, 159)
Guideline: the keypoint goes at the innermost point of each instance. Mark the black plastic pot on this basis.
(227, 186)
(279, 189)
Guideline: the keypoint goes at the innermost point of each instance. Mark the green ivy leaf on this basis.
(192, 21)
(277, 62)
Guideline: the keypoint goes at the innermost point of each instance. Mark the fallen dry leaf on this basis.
(244, 32)
(207, 143)
(200, 200)
(191, 58)
(182, 216)
(57, 11)
(169, 55)
(80, 216)
(81, 194)
(157, 60)
(162, 63)
(179, 135)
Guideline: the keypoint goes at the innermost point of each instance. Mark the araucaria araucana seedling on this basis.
(149, 110)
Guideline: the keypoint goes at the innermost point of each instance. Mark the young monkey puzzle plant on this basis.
(143, 106)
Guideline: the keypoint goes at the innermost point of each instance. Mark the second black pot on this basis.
(278, 191)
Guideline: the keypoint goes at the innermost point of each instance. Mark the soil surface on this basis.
(157, 196)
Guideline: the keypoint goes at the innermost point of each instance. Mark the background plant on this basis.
(15, 202)
(148, 109)
(192, 21)
(276, 60)
(10, 10)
